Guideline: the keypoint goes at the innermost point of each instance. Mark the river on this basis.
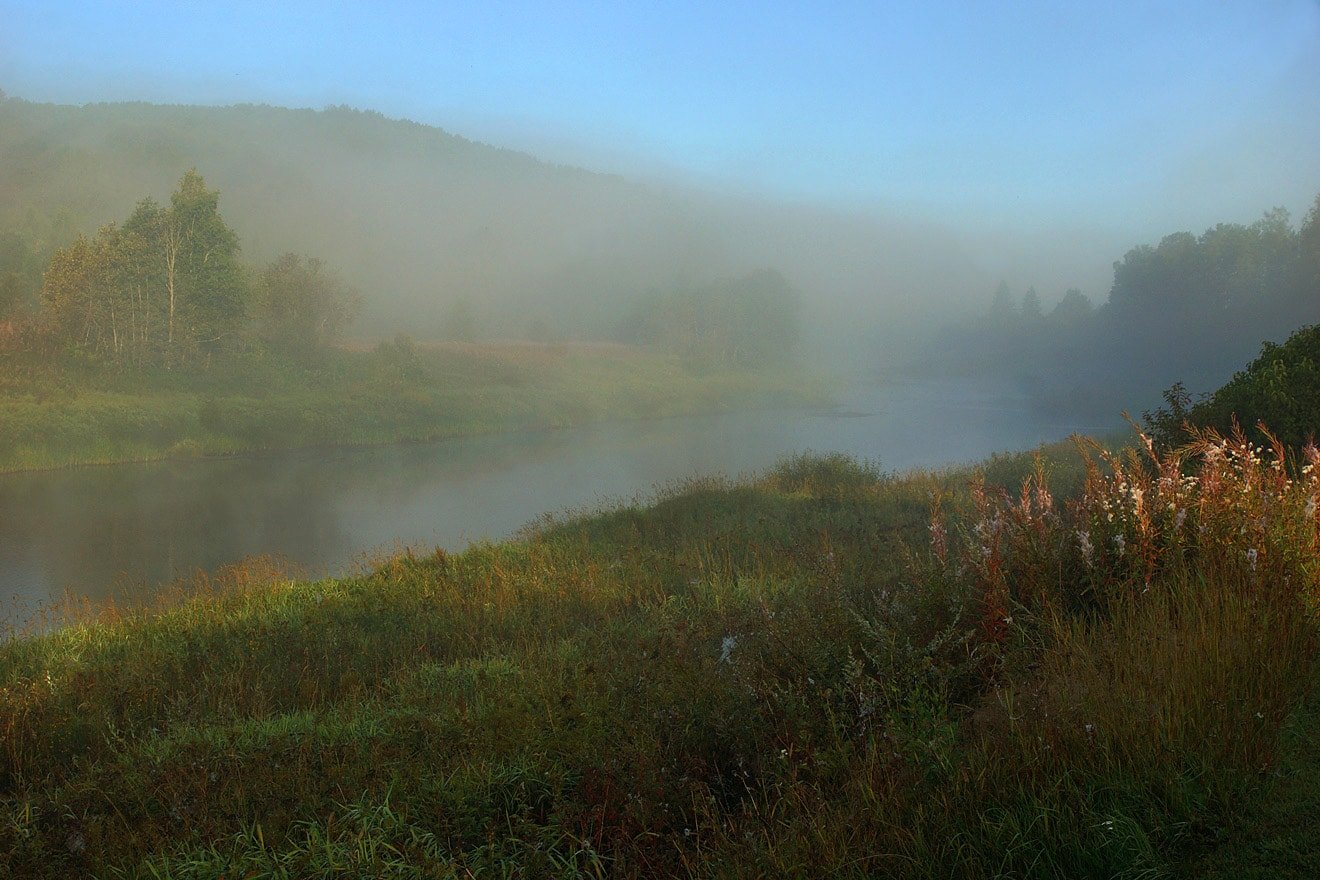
(97, 531)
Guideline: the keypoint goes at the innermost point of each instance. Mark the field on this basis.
(397, 391)
(1087, 664)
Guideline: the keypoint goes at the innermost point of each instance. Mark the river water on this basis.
(97, 531)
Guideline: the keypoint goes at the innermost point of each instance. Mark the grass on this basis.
(399, 392)
(1277, 835)
(826, 671)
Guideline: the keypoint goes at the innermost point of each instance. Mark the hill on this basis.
(421, 219)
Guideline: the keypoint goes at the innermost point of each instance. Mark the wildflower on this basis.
(939, 539)
(726, 648)
(1120, 543)
(1084, 542)
(1180, 518)
(1251, 558)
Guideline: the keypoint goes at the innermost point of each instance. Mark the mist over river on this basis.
(95, 530)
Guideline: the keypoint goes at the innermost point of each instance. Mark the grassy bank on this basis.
(399, 392)
(829, 671)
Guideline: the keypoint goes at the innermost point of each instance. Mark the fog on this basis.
(419, 219)
(895, 168)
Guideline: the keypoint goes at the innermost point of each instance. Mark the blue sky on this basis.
(1146, 115)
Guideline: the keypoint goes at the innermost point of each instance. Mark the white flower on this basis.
(1084, 542)
(1251, 558)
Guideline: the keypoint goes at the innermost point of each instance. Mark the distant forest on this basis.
(1190, 309)
(411, 227)
(166, 289)
(445, 236)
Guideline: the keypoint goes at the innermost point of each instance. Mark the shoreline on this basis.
(477, 390)
(807, 403)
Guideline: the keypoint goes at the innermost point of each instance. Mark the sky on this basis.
(1140, 116)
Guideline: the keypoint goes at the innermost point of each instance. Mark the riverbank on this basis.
(814, 671)
(399, 392)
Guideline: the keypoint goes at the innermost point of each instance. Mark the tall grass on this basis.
(829, 671)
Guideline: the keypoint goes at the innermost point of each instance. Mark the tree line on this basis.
(1192, 307)
(748, 321)
(166, 288)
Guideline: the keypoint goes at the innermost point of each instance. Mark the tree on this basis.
(206, 289)
(1002, 307)
(1031, 307)
(164, 286)
(94, 298)
(303, 306)
(763, 318)
(1280, 388)
(1073, 309)
(1306, 267)
(749, 321)
(20, 276)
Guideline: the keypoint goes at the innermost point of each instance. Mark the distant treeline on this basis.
(450, 238)
(1192, 308)
(166, 288)
(749, 321)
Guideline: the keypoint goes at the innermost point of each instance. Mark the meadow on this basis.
(1082, 663)
(60, 414)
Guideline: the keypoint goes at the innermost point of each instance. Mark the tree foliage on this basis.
(749, 321)
(1280, 388)
(302, 306)
(20, 276)
(1192, 307)
(166, 289)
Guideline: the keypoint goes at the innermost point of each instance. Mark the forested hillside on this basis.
(428, 224)
(1189, 309)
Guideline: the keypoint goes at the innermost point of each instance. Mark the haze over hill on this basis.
(420, 219)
